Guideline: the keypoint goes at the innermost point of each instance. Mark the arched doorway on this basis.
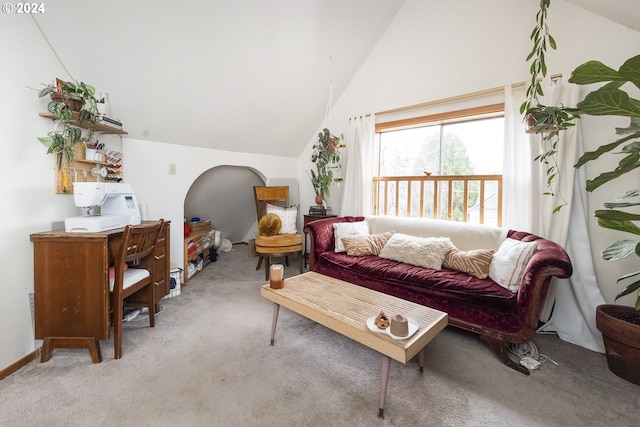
(224, 195)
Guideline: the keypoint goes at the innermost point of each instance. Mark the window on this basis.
(452, 163)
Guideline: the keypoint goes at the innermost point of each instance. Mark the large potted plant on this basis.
(326, 152)
(619, 324)
(72, 103)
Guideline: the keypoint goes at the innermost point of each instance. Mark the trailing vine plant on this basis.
(547, 121)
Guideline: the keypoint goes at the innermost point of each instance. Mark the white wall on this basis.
(164, 194)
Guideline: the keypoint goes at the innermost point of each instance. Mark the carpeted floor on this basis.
(208, 362)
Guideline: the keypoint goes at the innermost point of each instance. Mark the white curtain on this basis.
(570, 308)
(357, 166)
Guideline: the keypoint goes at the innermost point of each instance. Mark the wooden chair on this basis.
(279, 245)
(133, 282)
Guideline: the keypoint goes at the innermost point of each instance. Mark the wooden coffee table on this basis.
(344, 307)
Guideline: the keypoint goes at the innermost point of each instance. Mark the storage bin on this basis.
(175, 276)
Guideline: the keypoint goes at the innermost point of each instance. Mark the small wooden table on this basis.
(344, 307)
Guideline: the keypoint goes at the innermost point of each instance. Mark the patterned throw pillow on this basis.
(475, 262)
(366, 244)
(269, 225)
(346, 229)
(509, 262)
(288, 216)
(427, 252)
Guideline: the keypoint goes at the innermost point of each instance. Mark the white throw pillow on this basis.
(427, 252)
(346, 229)
(288, 216)
(509, 262)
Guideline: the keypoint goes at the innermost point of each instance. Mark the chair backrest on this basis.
(138, 244)
(275, 195)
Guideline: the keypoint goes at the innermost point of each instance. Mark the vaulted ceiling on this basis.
(237, 75)
(624, 12)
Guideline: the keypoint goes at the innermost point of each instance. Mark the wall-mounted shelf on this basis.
(93, 162)
(99, 127)
(80, 168)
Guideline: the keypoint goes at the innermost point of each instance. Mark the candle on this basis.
(276, 274)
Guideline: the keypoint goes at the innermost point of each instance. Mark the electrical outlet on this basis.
(172, 168)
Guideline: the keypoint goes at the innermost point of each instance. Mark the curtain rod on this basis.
(457, 97)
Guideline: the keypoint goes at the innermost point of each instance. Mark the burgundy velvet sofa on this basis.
(500, 316)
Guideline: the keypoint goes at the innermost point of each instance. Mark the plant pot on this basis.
(621, 339)
(531, 124)
(319, 201)
(72, 104)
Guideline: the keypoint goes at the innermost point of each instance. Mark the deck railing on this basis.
(467, 198)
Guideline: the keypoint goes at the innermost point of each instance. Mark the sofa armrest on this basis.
(550, 260)
(321, 235)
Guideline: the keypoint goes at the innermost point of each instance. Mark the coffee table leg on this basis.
(421, 360)
(384, 380)
(274, 321)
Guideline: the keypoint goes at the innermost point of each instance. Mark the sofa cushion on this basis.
(465, 236)
(509, 262)
(346, 229)
(269, 224)
(427, 252)
(366, 244)
(475, 262)
(409, 281)
(288, 216)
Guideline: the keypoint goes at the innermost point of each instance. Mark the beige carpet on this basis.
(208, 363)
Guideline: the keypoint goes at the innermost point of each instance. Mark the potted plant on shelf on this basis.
(545, 120)
(325, 153)
(619, 324)
(71, 102)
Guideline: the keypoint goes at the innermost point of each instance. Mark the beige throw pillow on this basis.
(509, 262)
(427, 252)
(361, 245)
(475, 262)
(346, 229)
(288, 216)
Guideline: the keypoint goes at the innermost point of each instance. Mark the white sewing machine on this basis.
(117, 204)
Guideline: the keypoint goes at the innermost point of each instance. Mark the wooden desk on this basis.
(71, 286)
(307, 220)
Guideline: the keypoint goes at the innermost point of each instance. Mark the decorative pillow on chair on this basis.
(427, 252)
(366, 244)
(269, 225)
(509, 262)
(346, 229)
(475, 262)
(288, 216)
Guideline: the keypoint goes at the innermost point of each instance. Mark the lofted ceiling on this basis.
(624, 12)
(238, 75)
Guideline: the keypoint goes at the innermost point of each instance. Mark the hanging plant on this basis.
(325, 153)
(547, 121)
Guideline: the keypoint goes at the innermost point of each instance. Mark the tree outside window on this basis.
(473, 147)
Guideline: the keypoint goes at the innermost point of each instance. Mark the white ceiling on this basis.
(238, 75)
(625, 12)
